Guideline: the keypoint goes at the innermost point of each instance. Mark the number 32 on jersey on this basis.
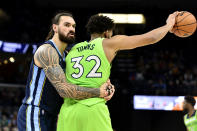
(93, 71)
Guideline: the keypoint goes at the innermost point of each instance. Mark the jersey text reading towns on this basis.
(87, 47)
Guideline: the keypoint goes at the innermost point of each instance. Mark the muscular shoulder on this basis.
(114, 38)
(114, 42)
(46, 55)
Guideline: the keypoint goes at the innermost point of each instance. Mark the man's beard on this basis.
(67, 39)
(185, 111)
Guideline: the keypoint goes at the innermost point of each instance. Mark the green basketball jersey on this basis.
(88, 66)
(191, 123)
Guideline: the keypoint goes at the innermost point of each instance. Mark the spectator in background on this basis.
(6, 128)
(160, 87)
(190, 119)
(5, 121)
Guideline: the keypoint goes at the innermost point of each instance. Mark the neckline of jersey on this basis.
(93, 40)
(191, 115)
(63, 57)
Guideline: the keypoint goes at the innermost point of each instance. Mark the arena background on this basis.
(168, 68)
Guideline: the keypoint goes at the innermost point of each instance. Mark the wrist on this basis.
(100, 94)
(169, 26)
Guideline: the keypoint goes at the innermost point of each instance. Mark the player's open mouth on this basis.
(71, 34)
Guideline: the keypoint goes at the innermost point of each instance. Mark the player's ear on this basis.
(55, 28)
(106, 34)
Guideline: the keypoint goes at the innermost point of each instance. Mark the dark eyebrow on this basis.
(69, 23)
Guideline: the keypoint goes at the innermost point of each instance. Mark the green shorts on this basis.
(79, 117)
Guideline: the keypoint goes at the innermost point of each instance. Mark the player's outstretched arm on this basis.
(47, 58)
(122, 42)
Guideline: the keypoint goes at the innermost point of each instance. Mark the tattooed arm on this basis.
(47, 58)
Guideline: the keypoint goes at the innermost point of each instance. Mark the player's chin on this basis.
(71, 37)
(71, 40)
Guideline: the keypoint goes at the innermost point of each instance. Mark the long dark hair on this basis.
(55, 20)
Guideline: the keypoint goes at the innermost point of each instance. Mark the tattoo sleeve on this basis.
(48, 58)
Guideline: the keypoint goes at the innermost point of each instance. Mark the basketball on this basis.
(185, 24)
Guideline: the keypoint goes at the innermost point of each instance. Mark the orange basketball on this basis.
(185, 24)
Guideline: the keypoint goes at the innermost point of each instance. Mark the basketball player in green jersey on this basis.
(88, 64)
(190, 119)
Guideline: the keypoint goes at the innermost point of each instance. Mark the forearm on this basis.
(122, 42)
(158, 34)
(77, 92)
(67, 90)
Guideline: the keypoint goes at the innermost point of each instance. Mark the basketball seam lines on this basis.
(183, 19)
(183, 31)
(177, 30)
(187, 24)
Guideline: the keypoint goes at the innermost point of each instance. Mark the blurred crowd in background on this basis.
(10, 100)
(165, 73)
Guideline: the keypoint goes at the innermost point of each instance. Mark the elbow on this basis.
(61, 94)
(66, 94)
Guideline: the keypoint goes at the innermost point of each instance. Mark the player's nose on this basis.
(72, 28)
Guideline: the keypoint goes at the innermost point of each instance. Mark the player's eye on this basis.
(74, 26)
(67, 25)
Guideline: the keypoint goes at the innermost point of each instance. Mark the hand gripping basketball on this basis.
(185, 24)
